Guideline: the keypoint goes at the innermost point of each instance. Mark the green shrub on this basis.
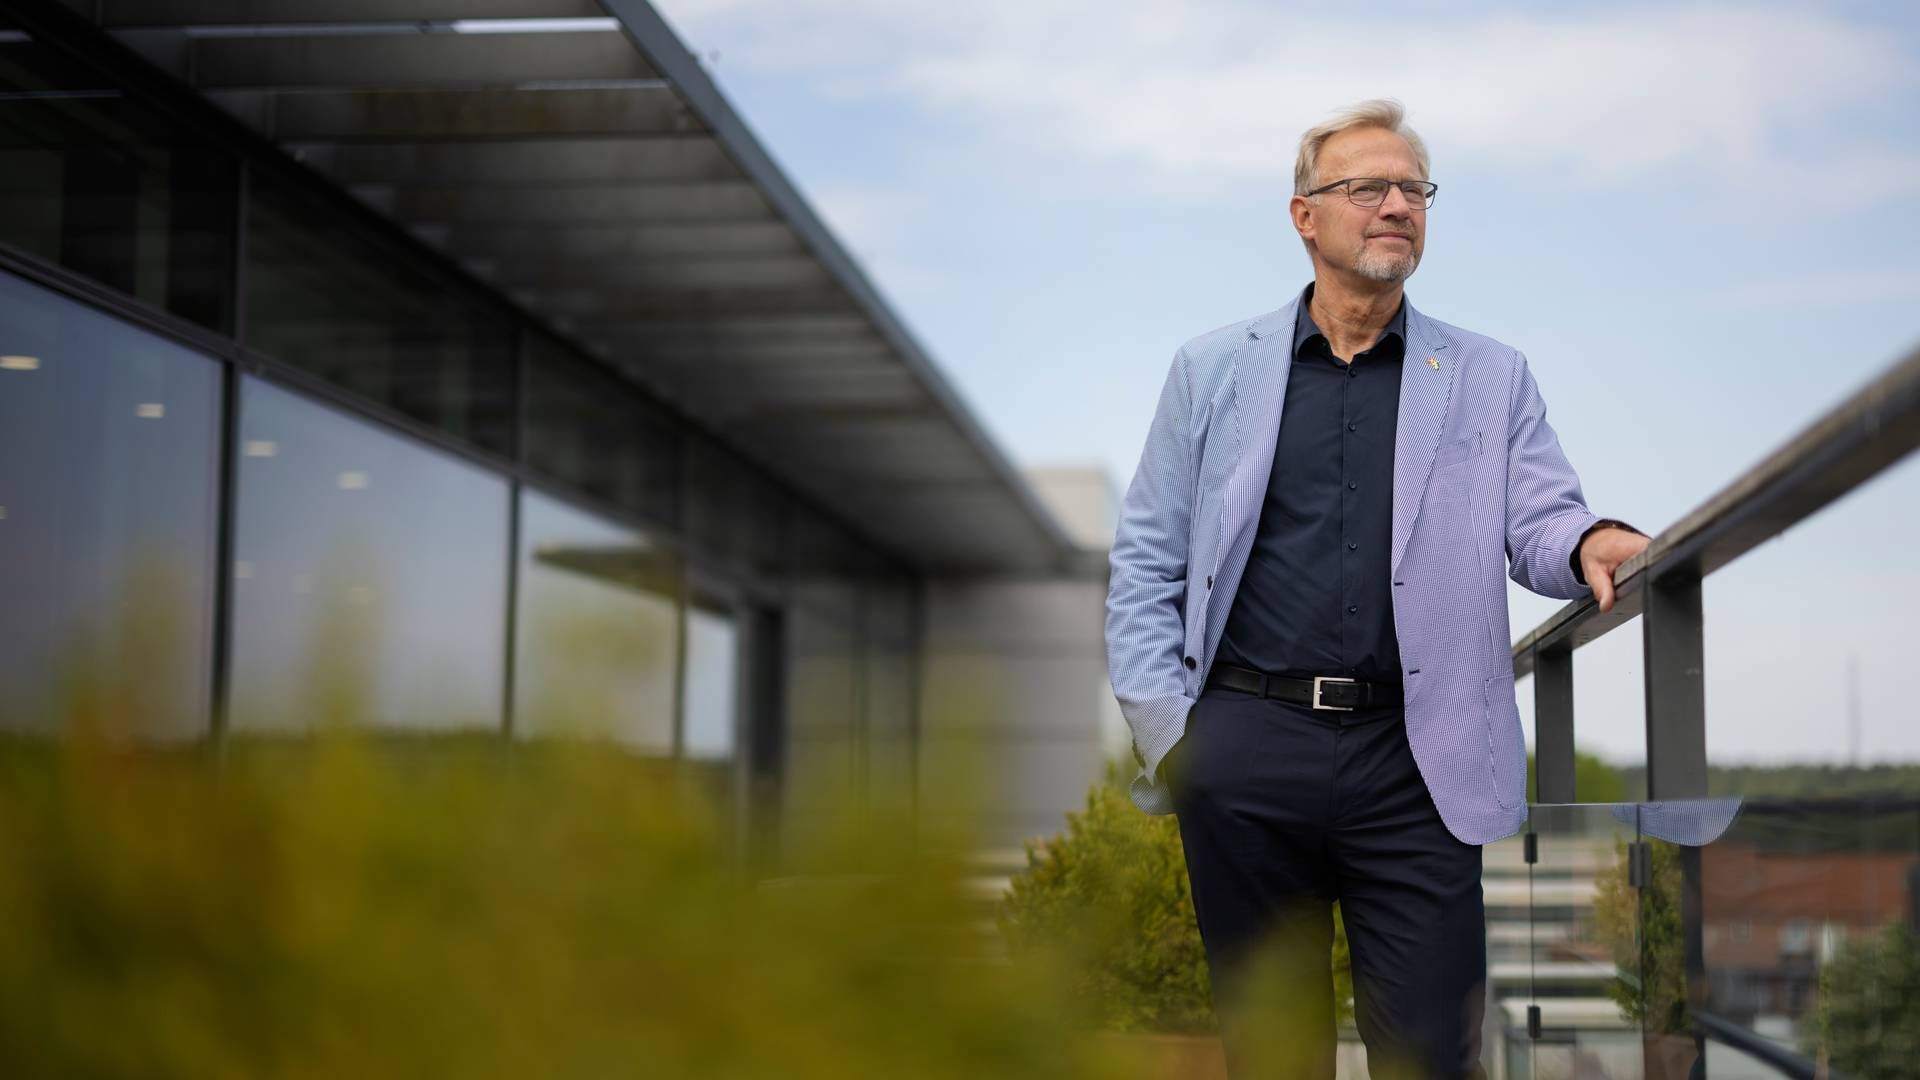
(1642, 931)
(1594, 780)
(346, 906)
(1867, 1021)
(1111, 895)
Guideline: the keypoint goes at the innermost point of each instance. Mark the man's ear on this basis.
(1301, 211)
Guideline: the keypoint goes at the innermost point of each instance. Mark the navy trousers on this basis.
(1284, 809)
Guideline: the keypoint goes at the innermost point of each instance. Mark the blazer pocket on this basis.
(1455, 452)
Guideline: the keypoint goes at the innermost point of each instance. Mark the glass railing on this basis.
(1710, 937)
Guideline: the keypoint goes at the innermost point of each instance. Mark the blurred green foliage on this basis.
(1594, 780)
(349, 904)
(1867, 1020)
(1891, 780)
(1111, 890)
(1642, 930)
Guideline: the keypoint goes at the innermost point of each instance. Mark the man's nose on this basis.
(1395, 205)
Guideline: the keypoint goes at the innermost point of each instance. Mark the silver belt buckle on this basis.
(1317, 680)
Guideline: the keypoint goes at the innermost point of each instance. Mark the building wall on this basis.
(1017, 710)
(259, 446)
(1013, 699)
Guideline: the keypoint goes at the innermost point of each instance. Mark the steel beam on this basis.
(668, 276)
(656, 241)
(612, 205)
(124, 13)
(382, 61)
(545, 163)
(718, 304)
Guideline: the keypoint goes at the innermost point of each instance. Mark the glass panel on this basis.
(108, 454)
(1807, 913)
(888, 697)
(598, 623)
(369, 315)
(713, 672)
(822, 771)
(370, 575)
(889, 729)
(592, 431)
(1583, 968)
(99, 181)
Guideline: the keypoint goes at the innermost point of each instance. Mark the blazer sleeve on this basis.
(1147, 583)
(1546, 514)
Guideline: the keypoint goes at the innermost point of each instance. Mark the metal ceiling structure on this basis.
(574, 155)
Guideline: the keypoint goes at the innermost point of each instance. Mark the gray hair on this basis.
(1373, 113)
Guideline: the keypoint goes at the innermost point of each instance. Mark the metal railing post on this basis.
(1553, 764)
(1672, 650)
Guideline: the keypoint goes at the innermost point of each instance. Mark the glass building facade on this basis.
(267, 463)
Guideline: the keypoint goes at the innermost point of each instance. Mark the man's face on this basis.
(1380, 243)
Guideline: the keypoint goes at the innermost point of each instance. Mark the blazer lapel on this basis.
(1424, 393)
(1260, 369)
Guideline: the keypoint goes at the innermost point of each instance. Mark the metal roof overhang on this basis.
(593, 172)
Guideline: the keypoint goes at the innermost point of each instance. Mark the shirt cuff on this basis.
(1573, 558)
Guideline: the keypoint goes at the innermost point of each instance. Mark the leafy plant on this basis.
(1642, 929)
(1111, 894)
(1867, 1019)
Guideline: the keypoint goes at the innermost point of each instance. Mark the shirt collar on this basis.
(1304, 327)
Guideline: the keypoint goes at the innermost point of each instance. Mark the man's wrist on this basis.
(1573, 560)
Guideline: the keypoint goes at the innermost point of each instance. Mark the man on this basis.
(1307, 624)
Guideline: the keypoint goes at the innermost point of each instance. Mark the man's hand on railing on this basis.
(1602, 550)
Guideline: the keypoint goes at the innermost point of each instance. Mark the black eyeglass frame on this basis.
(1432, 190)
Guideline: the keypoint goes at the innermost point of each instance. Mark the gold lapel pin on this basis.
(1432, 363)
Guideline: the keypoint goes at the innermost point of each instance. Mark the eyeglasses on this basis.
(1372, 190)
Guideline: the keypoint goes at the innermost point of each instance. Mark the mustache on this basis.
(1389, 232)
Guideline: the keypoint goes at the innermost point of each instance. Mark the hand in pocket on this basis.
(1173, 765)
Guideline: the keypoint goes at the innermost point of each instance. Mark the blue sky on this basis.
(1697, 221)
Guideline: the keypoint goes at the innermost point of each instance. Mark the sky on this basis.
(1696, 220)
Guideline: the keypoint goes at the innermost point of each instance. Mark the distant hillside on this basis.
(1797, 781)
(1598, 780)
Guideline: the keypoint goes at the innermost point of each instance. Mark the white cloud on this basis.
(1215, 92)
(1820, 289)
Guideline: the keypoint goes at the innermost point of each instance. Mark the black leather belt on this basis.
(1319, 692)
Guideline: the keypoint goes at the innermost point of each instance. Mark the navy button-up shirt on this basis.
(1316, 596)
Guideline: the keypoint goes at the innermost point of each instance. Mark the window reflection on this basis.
(107, 465)
(103, 183)
(596, 433)
(369, 576)
(370, 317)
(598, 624)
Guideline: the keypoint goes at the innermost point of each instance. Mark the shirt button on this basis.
(1351, 486)
(1350, 427)
(1351, 608)
(1353, 547)
(1191, 663)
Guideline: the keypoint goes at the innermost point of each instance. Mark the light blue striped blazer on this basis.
(1481, 490)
